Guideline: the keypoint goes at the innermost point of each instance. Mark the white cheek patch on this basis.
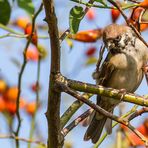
(122, 41)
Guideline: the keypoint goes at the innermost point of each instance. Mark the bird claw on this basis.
(145, 69)
(123, 92)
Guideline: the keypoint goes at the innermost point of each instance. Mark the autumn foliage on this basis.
(28, 34)
(8, 99)
(28, 31)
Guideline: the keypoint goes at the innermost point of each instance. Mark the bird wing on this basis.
(98, 120)
(105, 73)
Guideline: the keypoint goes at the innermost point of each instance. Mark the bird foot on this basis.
(123, 92)
(145, 68)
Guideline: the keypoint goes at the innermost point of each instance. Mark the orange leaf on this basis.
(87, 36)
(28, 31)
(115, 14)
(31, 108)
(144, 4)
(2, 104)
(22, 22)
(90, 15)
(3, 86)
(143, 27)
(136, 13)
(11, 94)
(90, 51)
(32, 54)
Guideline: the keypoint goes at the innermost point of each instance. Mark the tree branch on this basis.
(54, 97)
(138, 113)
(103, 91)
(72, 109)
(115, 124)
(3, 136)
(88, 4)
(74, 123)
(21, 74)
(104, 112)
(37, 101)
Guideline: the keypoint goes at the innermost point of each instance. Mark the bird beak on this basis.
(110, 45)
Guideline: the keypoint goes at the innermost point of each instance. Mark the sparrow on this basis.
(121, 69)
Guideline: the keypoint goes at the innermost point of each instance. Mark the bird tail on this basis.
(97, 122)
(95, 129)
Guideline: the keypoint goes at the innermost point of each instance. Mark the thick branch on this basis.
(108, 92)
(53, 109)
(100, 90)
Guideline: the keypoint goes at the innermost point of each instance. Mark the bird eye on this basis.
(118, 38)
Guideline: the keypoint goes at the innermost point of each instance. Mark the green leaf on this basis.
(102, 2)
(76, 15)
(5, 12)
(27, 5)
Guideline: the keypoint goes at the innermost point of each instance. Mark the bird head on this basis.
(114, 37)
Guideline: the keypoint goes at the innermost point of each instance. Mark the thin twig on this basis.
(102, 49)
(21, 74)
(20, 36)
(9, 29)
(138, 113)
(114, 124)
(63, 36)
(3, 136)
(37, 101)
(134, 1)
(72, 109)
(88, 4)
(13, 33)
(75, 122)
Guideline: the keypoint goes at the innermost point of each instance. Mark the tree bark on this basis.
(54, 97)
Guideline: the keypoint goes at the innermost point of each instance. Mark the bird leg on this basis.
(145, 70)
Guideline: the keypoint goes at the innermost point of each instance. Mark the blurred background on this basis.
(78, 62)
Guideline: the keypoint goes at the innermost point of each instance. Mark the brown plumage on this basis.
(122, 69)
